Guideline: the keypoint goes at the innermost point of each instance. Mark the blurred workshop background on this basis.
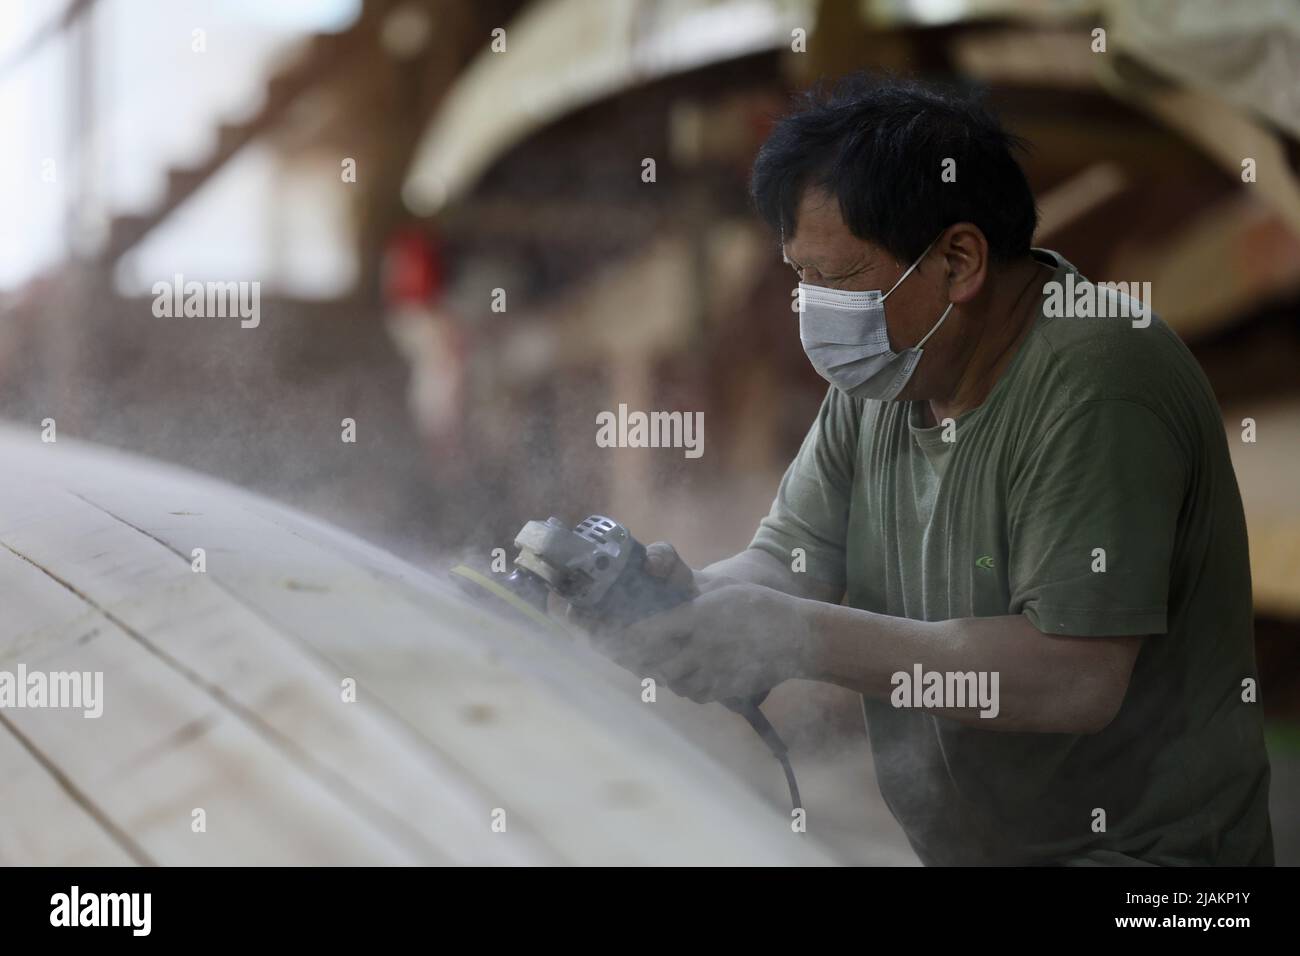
(458, 249)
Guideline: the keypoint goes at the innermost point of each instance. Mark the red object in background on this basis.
(413, 269)
(433, 343)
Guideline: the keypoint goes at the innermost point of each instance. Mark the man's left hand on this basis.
(735, 640)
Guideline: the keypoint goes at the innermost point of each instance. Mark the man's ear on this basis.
(966, 255)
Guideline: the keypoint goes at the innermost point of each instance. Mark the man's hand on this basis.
(733, 640)
(662, 561)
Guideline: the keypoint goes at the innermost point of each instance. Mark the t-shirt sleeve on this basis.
(811, 509)
(1093, 518)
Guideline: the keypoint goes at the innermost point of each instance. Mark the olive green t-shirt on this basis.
(1093, 493)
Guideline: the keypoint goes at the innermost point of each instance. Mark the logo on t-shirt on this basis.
(984, 561)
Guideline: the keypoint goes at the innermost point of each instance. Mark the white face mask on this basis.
(845, 338)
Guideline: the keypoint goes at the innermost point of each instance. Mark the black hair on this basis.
(878, 145)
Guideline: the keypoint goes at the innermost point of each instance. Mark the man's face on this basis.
(824, 252)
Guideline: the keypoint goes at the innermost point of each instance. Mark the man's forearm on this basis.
(758, 567)
(1046, 683)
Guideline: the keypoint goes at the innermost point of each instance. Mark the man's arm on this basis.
(756, 566)
(739, 639)
(1107, 479)
(1046, 683)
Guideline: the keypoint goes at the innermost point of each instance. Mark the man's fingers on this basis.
(663, 562)
(683, 675)
(690, 681)
(676, 669)
(660, 634)
(643, 646)
(660, 559)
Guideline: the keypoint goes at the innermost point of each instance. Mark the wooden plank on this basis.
(275, 685)
(530, 743)
(163, 747)
(70, 835)
(533, 742)
(232, 682)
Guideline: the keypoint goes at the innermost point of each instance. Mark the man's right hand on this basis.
(661, 562)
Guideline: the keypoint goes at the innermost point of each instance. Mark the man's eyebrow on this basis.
(828, 272)
(820, 269)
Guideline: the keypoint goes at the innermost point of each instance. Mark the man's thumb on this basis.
(663, 562)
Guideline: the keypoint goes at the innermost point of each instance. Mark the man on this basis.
(995, 496)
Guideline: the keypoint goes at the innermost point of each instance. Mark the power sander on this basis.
(600, 570)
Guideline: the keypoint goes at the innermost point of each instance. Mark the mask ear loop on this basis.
(919, 260)
(935, 329)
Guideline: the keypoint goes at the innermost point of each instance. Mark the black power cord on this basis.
(763, 727)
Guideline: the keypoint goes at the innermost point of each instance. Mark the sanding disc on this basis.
(479, 585)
